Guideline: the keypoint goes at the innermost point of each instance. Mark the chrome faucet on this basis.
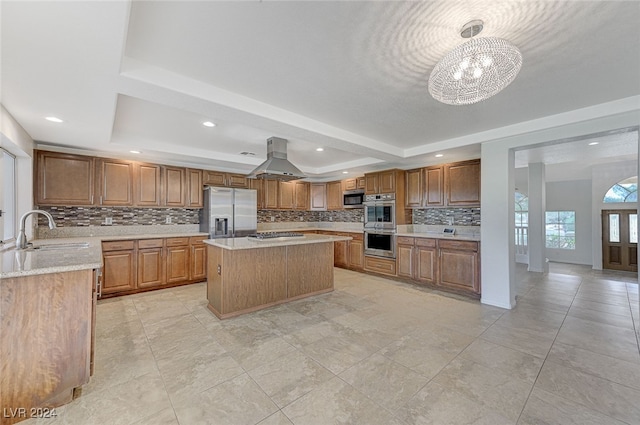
(21, 242)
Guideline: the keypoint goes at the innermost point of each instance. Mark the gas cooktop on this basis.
(273, 235)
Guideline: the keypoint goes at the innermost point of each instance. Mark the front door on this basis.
(620, 240)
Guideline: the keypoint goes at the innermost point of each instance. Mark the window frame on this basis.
(559, 240)
(8, 199)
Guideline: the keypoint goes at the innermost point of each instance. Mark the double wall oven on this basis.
(380, 225)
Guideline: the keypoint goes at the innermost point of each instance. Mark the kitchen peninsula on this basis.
(246, 274)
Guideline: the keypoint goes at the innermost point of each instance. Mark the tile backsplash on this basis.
(447, 216)
(276, 216)
(120, 216)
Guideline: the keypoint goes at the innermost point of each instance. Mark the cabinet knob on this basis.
(219, 269)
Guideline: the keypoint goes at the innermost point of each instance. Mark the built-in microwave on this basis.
(353, 199)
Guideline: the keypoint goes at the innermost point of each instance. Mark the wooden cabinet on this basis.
(301, 196)
(119, 268)
(318, 196)
(194, 188)
(449, 264)
(150, 263)
(64, 179)
(380, 182)
(413, 182)
(115, 182)
(380, 265)
(258, 185)
(177, 262)
(174, 187)
(350, 184)
(341, 254)
(270, 193)
(219, 178)
(197, 259)
(459, 265)
(286, 195)
(361, 183)
(148, 185)
(356, 251)
(462, 183)
(434, 186)
(334, 195)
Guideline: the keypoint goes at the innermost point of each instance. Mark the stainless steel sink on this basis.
(59, 246)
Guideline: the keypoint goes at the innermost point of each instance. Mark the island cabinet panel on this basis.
(115, 182)
(147, 185)
(264, 282)
(119, 273)
(309, 276)
(214, 280)
(177, 263)
(64, 179)
(45, 340)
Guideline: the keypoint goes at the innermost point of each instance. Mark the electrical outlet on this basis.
(301, 218)
(168, 220)
(273, 218)
(108, 221)
(330, 218)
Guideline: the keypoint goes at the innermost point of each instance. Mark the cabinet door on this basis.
(119, 272)
(462, 181)
(350, 184)
(361, 183)
(194, 190)
(302, 196)
(340, 255)
(64, 179)
(318, 196)
(174, 186)
(177, 264)
(270, 190)
(434, 186)
(426, 264)
(237, 180)
(371, 184)
(413, 181)
(286, 195)
(257, 184)
(150, 270)
(214, 178)
(334, 195)
(356, 254)
(404, 257)
(459, 265)
(115, 182)
(148, 185)
(387, 181)
(198, 262)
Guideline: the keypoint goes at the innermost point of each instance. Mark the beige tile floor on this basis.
(372, 352)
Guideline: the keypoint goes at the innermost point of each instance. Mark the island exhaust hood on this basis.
(277, 166)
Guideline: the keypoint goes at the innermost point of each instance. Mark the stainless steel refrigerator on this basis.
(229, 213)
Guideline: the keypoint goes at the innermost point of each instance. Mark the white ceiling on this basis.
(347, 76)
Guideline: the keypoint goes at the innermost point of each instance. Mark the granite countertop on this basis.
(440, 235)
(15, 263)
(250, 243)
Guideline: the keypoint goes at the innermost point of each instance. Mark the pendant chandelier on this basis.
(475, 70)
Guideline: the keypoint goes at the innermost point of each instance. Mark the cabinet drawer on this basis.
(197, 240)
(431, 243)
(404, 240)
(459, 245)
(380, 265)
(356, 236)
(117, 245)
(177, 241)
(150, 243)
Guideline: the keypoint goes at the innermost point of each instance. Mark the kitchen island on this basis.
(245, 274)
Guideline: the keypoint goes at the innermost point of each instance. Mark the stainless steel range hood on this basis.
(277, 166)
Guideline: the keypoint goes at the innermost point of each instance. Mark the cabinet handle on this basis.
(100, 199)
(99, 283)
(92, 199)
(219, 269)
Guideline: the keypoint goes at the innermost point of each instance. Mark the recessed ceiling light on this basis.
(135, 151)
(593, 143)
(439, 155)
(345, 172)
(54, 119)
(208, 124)
(319, 149)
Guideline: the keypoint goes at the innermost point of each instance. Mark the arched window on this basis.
(623, 191)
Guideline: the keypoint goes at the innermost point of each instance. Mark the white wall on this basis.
(573, 196)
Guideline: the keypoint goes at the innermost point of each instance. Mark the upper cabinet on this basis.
(318, 196)
(258, 185)
(194, 188)
(174, 187)
(334, 195)
(270, 194)
(218, 178)
(148, 185)
(380, 182)
(301, 197)
(286, 195)
(115, 182)
(455, 184)
(64, 179)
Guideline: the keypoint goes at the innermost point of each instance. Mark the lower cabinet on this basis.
(448, 264)
(380, 265)
(348, 254)
(140, 265)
